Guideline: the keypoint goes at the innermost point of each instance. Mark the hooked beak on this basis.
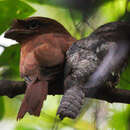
(11, 33)
(15, 33)
(17, 30)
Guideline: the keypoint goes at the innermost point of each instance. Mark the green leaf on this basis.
(120, 119)
(9, 60)
(2, 109)
(11, 10)
(125, 78)
(22, 127)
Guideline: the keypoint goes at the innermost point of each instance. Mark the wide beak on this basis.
(14, 32)
(10, 33)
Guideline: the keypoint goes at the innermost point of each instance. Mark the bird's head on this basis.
(22, 29)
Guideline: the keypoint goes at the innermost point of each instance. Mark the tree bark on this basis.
(109, 94)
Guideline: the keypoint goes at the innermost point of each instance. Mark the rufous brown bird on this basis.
(44, 43)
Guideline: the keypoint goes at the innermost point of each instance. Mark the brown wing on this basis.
(48, 56)
(52, 52)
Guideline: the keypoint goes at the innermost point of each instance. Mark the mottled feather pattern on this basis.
(89, 63)
(71, 103)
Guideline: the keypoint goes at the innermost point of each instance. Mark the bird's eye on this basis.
(32, 25)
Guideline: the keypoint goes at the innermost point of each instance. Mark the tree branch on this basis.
(11, 88)
(109, 94)
(14, 88)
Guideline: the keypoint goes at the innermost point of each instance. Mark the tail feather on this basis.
(34, 96)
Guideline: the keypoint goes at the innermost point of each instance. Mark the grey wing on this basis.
(113, 61)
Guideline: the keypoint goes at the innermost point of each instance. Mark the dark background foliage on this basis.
(80, 18)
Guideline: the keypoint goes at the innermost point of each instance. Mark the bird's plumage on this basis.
(44, 43)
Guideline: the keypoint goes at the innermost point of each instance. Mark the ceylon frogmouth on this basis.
(44, 43)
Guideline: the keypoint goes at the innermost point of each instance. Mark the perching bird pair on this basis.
(44, 43)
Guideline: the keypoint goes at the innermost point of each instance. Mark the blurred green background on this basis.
(80, 21)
